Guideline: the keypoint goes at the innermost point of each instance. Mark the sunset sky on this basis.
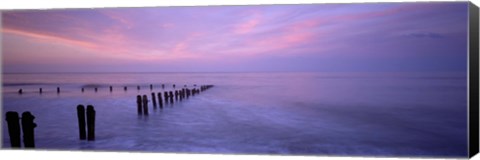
(368, 37)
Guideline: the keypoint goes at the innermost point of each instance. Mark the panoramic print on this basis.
(358, 79)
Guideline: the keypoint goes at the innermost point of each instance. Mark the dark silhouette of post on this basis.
(139, 104)
(81, 122)
(111, 88)
(28, 127)
(183, 93)
(173, 85)
(20, 91)
(176, 95)
(151, 87)
(154, 101)
(13, 128)
(125, 88)
(96, 89)
(160, 103)
(165, 94)
(145, 105)
(90, 123)
(163, 86)
(40, 90)
(171, 97)
(58, 89)
(83, 89)
(138, 87)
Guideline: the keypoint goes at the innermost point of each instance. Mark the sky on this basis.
(368, 37)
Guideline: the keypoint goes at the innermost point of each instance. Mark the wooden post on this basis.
(163, 86)
(171, 97)
(173, 85)
(151, 87)
(160, 103)
(138, 87)
(125, 88)
(83, 89)
(139, 104)
(183, 93)
(111, 88)
(180, 95)
(40, 90)
(145, 105)
(96, 89)
(13, 128)
(28, 128)
(20, 91)
(81, 121)
(176, 95)
(165, 94)
(90, 123)
(58, 89)
(154, 101)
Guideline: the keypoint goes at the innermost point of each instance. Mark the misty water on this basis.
(366, 114)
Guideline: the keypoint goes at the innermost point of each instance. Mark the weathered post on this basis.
(173, 85)
(28, 128)
(176, 95)
(13, 128)
(139, 104)
(171, 97)
(81, 121)
(40, 90)
(58, 89)
(163, 86)
(96, 89)
(138, 87)
(180, 95)
(20, 91)
(165, 94)
(160, 103)
(154, 101)
(83, 89)
(90, 123)
(111, 88)
(183, 92)
(151, 87)
(125, 88)
(145, 105)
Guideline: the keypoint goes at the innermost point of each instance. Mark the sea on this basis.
(280, 113)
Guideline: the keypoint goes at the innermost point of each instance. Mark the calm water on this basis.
(402, 114)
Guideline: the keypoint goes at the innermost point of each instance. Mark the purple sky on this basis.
(324, 37)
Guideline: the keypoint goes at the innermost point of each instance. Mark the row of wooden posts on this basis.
(168, 97)
(40, 90)
(86, 120)
(28, 126)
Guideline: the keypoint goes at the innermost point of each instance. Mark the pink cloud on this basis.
(247, 26)
(119, 18)
(51, 39)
